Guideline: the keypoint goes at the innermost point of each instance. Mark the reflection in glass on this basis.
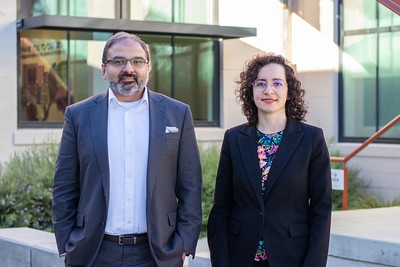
(44, 95)
(387, 17)
(389, 81)
(179, 11)
(57, 71)
(359, 14)
(359, 77)
(370, 69)
(185, 71)
(194, 65)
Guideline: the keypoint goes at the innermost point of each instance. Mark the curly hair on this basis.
(295, 105)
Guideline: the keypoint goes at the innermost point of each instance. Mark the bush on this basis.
(25, 188)
(26, 182)
(209, 162)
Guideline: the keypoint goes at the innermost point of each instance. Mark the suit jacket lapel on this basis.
(247, 142)
(98, 120)
(157, 126)
(290, 140)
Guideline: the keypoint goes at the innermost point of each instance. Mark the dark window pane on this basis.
(186, 71)
(194, 75)
(57, 71)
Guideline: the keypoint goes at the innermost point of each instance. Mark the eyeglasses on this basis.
(260, 84)
(120, 62)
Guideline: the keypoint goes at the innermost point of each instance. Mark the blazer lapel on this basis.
(98, 119)
(158, 122)
(247, 142)
(290, 140)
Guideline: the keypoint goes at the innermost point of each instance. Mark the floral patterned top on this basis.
(267, 145)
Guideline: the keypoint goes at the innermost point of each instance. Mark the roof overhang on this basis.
(139, 27)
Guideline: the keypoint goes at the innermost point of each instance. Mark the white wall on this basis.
(8, 77)
(379, 166)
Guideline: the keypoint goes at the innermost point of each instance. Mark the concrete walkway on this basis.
(364, 238)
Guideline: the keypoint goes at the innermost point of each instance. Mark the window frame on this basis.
(64, 23)
(341, 34)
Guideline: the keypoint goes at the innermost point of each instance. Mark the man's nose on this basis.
(129, 66)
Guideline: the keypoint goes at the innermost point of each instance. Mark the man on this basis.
(127, 184)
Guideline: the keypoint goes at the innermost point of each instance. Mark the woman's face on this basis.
(270, 90)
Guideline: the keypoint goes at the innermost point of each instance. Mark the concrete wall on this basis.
(25, 247)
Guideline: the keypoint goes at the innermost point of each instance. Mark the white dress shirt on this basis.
(128, 145)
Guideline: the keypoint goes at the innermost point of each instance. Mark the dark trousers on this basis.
(113, 255)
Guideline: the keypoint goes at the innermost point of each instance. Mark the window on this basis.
(61, 43)
(181, 11)
(58, 68)
(187, 69)
(370, 84)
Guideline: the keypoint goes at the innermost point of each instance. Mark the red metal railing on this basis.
(344, 160)
(393, 5)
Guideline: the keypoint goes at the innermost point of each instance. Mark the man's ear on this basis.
(103, 70)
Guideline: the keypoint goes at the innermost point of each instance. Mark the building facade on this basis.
(344, 51)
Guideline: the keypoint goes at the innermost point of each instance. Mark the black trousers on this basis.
(113, 255)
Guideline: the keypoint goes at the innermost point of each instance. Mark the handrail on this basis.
(344, 160)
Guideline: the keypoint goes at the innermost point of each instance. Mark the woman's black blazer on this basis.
(294, 215)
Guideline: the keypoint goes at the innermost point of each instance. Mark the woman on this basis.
(273, 193)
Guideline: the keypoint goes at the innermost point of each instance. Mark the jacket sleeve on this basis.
(189, 187)
(217, 227)
(65, 188)
(320, 188)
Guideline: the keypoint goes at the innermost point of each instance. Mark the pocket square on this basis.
(171, 129)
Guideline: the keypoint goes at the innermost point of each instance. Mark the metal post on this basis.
(345, 193)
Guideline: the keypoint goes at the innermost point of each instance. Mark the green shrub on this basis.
(26, 181)
(25, 188)
(209, 162)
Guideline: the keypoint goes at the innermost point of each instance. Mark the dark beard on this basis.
(125, 88)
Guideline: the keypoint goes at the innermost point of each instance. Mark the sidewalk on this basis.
(369, 237)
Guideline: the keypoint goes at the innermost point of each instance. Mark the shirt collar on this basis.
(113, 98)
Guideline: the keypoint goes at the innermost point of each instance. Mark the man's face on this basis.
(126, 80)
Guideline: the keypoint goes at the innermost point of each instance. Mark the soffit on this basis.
(138, 27)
